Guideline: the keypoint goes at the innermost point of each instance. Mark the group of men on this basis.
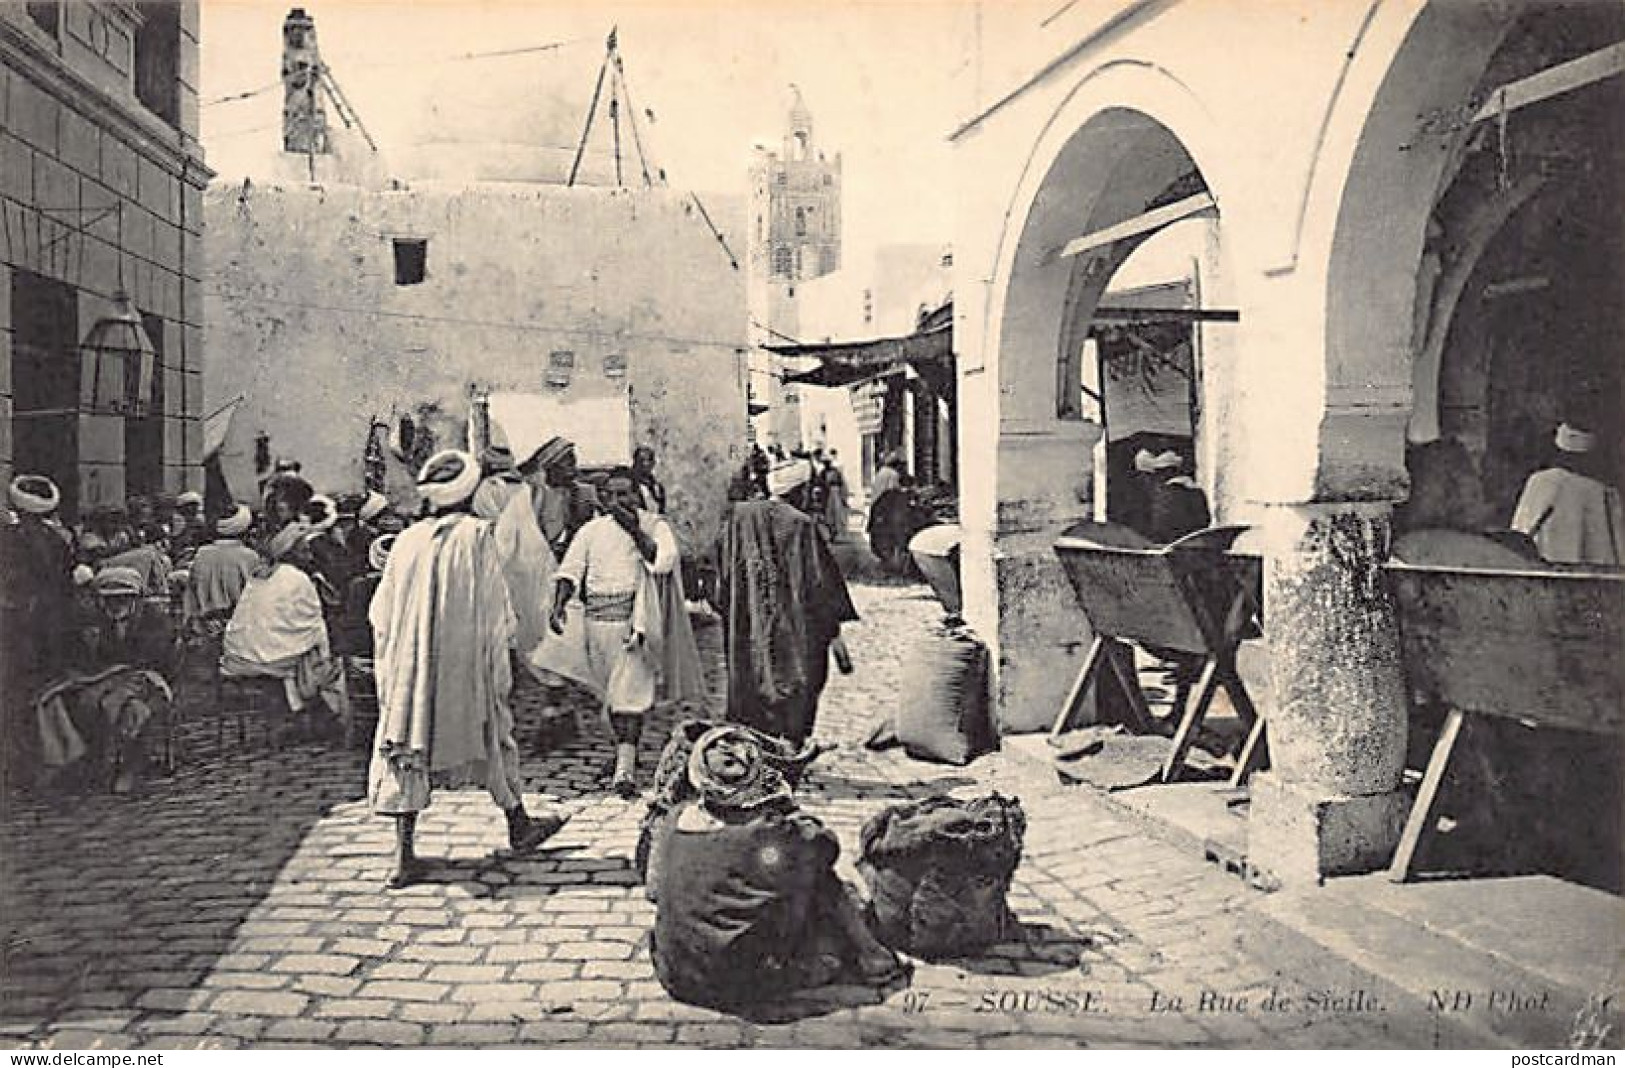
(519, 563)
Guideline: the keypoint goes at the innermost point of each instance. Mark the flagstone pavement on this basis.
(239, 904)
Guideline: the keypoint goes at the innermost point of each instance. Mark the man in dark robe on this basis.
(783, 600)
(36, 610)
(748, 904)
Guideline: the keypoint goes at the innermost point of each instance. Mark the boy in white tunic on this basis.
(615, 647)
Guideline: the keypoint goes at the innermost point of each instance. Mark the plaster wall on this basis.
(320, 339)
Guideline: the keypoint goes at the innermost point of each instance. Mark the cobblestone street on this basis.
(240, 904)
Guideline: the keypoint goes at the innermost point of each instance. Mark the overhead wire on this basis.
(501, 53)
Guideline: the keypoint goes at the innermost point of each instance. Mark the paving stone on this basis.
(467, 973)
(259, 1003)
(426, 1012)
(478, 992)
(300, 1030)
(380, 1033)
(317, 963)
(473, 1034)
(355, 1008)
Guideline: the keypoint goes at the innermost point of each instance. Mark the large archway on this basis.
(1098, 187)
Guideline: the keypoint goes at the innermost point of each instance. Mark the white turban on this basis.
(329, 510)
(237, 522)
(372, 507)
(449, 478)
(378, 551)
(1148, 463)
(783, 478)
(83, 574)
(287, 540)
(1571, 438)
(35, 494)
(192, 497)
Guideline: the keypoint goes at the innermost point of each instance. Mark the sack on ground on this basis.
(938, 873)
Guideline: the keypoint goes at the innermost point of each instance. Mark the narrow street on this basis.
(241, 904)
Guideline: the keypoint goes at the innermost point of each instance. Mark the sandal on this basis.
(626, 787)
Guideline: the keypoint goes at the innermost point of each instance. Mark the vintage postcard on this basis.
(940, 524)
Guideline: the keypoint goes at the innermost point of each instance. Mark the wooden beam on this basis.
(1155, 219)
(1110, 314)
(1554, 81)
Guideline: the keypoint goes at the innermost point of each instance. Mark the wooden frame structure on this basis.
(1545, 647)
(1193, 597)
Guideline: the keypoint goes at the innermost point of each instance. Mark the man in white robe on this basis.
(443, 631)
(277, 629)
(607, 615)
(1568, 511)
(528, 562)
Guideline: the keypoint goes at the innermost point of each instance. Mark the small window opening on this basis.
(157, 60)
(47, 14)
(411, 260)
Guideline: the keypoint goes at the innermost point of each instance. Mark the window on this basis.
(157, 59)
(144, 434)
(47, 14)
(801, 222)
(781, 261)
(411, 260)
(45, 382)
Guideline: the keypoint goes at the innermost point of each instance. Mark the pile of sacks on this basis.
(939, 872)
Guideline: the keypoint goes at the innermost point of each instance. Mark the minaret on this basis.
(304, 116)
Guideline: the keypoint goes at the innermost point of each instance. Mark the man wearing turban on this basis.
(219, 573)
(91, 721)
(36, 602)
(1569, 509)
(563, 505)
(512, 504)
(749, 906)
(783, 599)
(277, 629)
(443, 630)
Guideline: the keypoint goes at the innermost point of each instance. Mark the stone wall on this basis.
(98, 192)
(310, 326)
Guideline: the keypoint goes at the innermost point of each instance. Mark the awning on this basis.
(847, 362)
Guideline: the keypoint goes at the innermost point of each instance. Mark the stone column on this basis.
(1330, 803)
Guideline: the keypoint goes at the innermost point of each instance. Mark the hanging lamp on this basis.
(118, 341)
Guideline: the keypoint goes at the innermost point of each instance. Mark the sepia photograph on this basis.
(797, 525)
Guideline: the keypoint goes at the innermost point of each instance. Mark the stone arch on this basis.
(1393, 135)
(1129, 133)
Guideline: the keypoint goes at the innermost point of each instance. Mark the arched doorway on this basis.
(1109, 184)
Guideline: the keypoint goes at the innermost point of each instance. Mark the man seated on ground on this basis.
(92, 720)
(748, 905)
(277, 630)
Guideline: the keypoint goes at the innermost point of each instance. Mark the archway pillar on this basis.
(1330, 804)
(1044, 486)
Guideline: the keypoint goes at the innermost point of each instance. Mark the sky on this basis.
(877, 77)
